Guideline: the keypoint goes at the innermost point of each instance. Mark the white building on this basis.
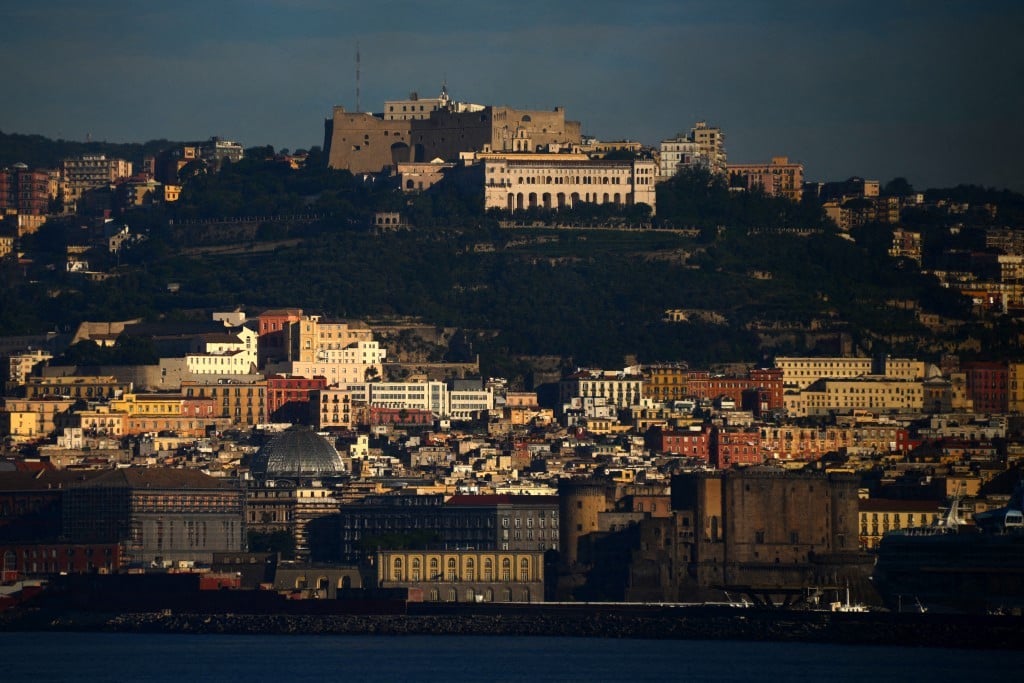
(516, 182)
(704, 146)
(223, 353)
(21, 365)
(621, 389)
(460, 403)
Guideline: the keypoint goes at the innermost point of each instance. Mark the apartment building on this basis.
(703, 146)
(88, 172)
(779, 177)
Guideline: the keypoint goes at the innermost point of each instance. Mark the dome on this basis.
(297, 453)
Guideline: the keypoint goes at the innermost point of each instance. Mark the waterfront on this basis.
(58, 656)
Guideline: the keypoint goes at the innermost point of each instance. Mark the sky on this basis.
(924, 89)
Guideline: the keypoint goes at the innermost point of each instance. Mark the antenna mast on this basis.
(358, 109)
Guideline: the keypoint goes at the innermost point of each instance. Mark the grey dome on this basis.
(297, 453)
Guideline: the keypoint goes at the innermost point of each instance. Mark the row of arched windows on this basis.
(452, 572)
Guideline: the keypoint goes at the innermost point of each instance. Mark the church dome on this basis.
(297, 452)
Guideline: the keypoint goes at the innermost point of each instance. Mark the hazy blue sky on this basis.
(927, 89)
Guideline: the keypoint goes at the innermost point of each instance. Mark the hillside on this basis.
(748, 277)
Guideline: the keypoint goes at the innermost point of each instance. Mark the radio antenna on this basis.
(358, 109)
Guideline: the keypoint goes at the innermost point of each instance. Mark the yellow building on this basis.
(27, 419)
(310, 336)
(464, 575)
(102, 421)
(666, 382)
(1015, 387)
(521, 408)
(878, 516)
(148, 404)
(75, 386)
(6, 245)
(792, 442)
(332, 408)
(801, 372)
(240, 402)
(873, 394)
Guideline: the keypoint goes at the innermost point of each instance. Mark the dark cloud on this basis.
(926, 90)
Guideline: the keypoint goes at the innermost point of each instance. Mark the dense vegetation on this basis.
(591, 296)
(38, 151)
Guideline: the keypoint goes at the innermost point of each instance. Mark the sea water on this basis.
(84, 657)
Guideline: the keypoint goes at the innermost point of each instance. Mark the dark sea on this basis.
(105, 657)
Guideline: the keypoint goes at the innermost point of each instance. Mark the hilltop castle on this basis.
(422, 129)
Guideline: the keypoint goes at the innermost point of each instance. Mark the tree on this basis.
(194, 168)
(272, 542)
(898, 187)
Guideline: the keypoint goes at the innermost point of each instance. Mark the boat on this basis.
(954, 565)
(847, 606)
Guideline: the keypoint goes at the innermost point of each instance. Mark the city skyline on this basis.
(847, 89)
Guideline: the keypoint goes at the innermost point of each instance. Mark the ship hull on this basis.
(965, 572)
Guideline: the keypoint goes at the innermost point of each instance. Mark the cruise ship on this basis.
(955, 566)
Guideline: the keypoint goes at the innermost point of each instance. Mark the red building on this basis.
(667, 383)
(769, 381)
(24, 190)
(43, 559)
(288, 397)
(273, 342)
(905, 443)
(735, 447)
(197, 406)
(687, 443)
(987, 383)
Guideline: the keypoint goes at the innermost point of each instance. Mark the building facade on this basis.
(764, 530)
(159, 516)
(241, 402)
(779, 177)
(620, 389)
(27, 191)
(89, 172)
(439, 129)
(877, 516)
(703, 146)
(521, 182)
(464, 575)
(483, 522)
(873, 394)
